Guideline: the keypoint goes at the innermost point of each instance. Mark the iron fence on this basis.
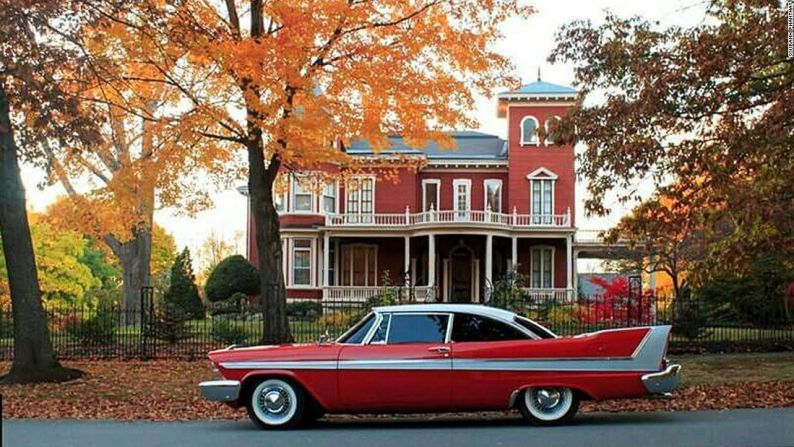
(153, 330)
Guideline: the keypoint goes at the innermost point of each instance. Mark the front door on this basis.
(460, 277)
(405, 367)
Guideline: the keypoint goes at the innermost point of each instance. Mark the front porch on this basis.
(438, 267)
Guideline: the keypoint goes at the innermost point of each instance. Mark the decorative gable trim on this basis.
(542, 174)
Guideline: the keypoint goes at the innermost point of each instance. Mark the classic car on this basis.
(442, 357)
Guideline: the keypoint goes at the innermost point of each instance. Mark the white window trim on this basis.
(546, 141)
(531, 273)
(321, 199)
(485, 184)
(532, 191)
(542, 174)
(436, 182)
(523, 140)
(358, 178)
(458, 182)
(346, 247)
(293, 190)
(312, 269)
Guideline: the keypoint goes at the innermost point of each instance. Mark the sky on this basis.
(527, 43)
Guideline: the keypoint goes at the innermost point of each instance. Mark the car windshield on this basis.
(535, 328)
(355, 335)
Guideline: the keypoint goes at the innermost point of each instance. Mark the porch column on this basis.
(407, 254)
(326, 257)
(514, 258)
(488, 261)
(569, 260)
(431, 260)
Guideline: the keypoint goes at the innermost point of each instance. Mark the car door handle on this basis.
(439, 349)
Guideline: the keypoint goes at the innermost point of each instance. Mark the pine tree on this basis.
(183, 292)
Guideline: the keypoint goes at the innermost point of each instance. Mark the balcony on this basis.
(432, 218)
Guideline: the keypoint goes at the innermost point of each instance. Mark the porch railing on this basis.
(554, 295)
(450, 217)
(364, 293)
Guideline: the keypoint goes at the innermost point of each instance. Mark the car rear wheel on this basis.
(548, 405)
(276, 403)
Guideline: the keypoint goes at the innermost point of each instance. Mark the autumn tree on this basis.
(664, 237)
(285, 80)
(706, 113)
(39, 82)
(146, 160)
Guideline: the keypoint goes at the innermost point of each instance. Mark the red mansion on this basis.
(451, 228)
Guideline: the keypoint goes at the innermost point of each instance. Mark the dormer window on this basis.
(529, 131)
(550, 122)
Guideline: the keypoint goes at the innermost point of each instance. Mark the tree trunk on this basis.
(268, 243)
(34, 358)
(135, 259)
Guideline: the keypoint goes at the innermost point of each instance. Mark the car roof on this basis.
(476, 309)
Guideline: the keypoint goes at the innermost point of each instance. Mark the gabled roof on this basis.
(541, 89)
(469, 145)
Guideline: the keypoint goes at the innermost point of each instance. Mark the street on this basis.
(757, 428)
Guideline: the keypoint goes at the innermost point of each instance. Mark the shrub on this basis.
(339, 318)
(228, 332)
(98, 329)
(182, 291)
(690, 320)
(560, 316)
(169, 324)
(305, 309)
(232, 275)
(507, 291)
(230, 306)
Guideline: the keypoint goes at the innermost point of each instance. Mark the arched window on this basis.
(529, 131)
(550, 121)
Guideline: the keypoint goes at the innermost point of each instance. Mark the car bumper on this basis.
(663, 382)
(220, 390)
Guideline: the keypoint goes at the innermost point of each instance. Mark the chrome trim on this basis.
(663, 382)
(310, 364)
(220, 390)
(448, 336)
(373, 329)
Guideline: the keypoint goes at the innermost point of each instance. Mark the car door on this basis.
(405, 366)
(477, 340)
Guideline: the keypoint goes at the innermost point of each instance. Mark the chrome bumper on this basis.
(220, 390)
(663, 382)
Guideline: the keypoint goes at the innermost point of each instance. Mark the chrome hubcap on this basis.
(274, 400)
(547, 398)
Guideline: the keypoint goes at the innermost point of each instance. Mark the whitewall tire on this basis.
(276, 403)
(548, 405)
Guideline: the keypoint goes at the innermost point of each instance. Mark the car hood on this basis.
(288, 352)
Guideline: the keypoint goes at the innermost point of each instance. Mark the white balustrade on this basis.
(449, 217)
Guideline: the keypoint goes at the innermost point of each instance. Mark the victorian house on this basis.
(450, 229)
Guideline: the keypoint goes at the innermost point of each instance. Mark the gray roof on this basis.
(469, 145)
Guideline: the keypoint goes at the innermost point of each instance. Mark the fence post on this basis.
(147, 307)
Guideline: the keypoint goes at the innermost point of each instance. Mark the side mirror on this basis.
(324, 338)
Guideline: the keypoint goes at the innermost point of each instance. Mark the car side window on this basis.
(471, 328)
(417, 328)
(358, 333)
(379, 337)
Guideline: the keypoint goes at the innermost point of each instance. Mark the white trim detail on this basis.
(541, 249)
(542, 174)
(533, 140)
(485, 184)
(461, 214)
(426, 182)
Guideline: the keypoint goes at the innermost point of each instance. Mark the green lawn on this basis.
(730, 368)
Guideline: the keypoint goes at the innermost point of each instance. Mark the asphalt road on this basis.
(757, 428)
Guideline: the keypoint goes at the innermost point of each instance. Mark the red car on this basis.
(442, 357)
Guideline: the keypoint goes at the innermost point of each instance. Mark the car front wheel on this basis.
(276, 403)
(548, 405)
